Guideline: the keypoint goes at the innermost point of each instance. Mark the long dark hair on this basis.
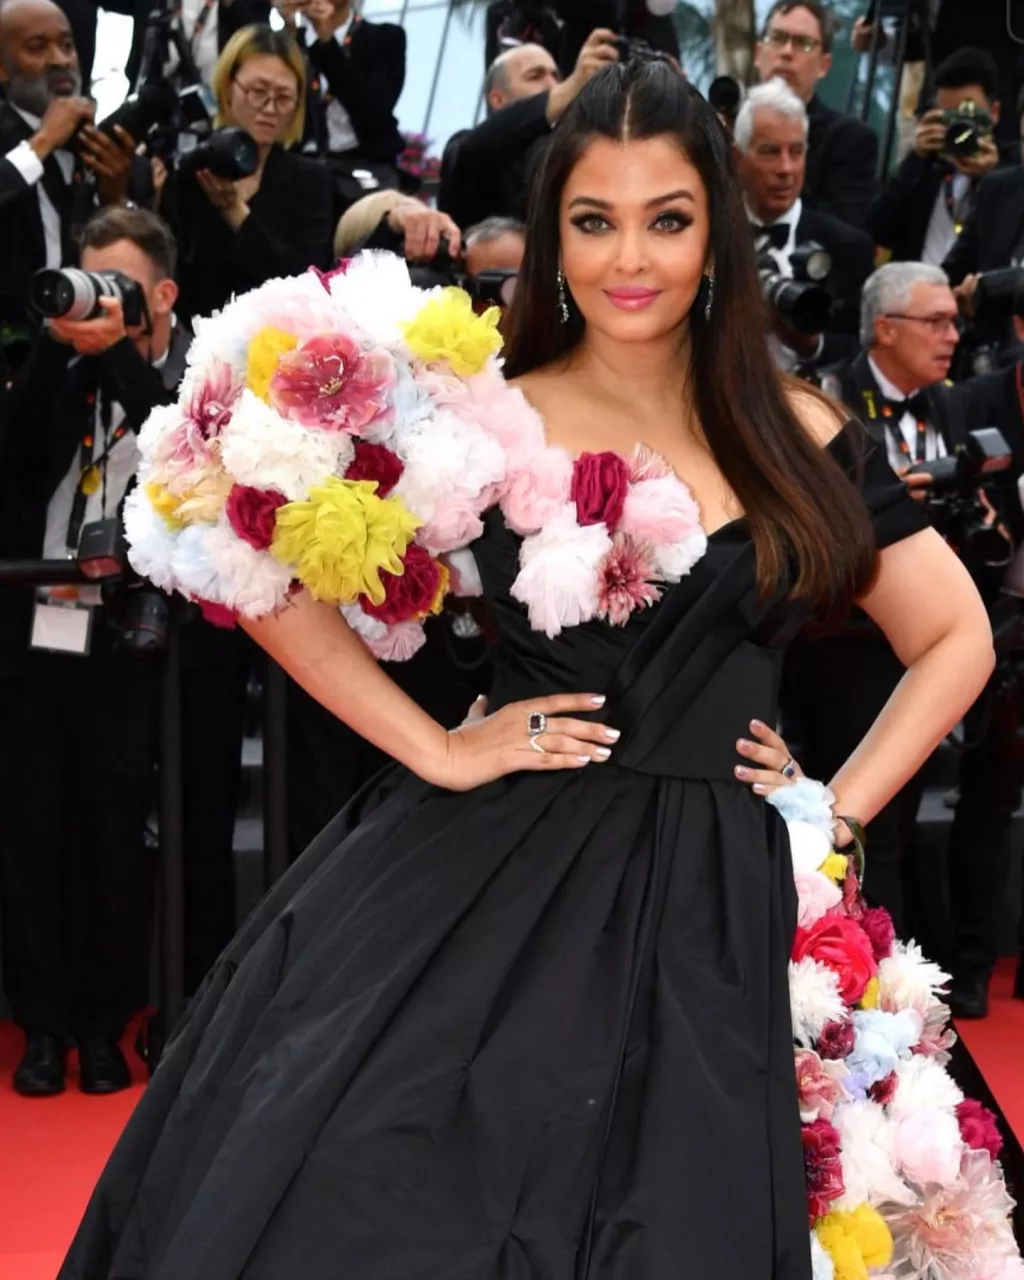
(806, 519)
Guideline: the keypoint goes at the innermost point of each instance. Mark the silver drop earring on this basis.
(710, 278)
(563, 301)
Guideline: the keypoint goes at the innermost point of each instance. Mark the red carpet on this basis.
(52, 1149)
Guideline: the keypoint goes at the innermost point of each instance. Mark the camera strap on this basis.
(895, 409)
(92, 468)
(957, 209)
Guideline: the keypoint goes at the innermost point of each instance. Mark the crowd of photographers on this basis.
(253, 148)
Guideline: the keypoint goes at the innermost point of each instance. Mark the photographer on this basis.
(78, 733)
(563, 26)
(56, 167)
(842, 153)
(837, 682)
(205, 25)
(276, 221)
(814, 321)
(923, 206)
(484, 171)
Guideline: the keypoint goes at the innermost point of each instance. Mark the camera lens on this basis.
(68, 294)
(962, 138)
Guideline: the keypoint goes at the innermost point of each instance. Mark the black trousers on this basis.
(833, 690)
(77, 753)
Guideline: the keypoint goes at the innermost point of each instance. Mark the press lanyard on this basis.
(92, 471)
(957, 209)
(895, 433)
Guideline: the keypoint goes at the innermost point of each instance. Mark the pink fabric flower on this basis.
(330, 383)
(375, 462)
(836, 1040)
(937, 1036)
(455, 524)
(645, 464)
(208, 408)
(877, 924)
(218, 615)
(978, 1127)
(533, 496)
(822, 1167)
(252, 513)
(624, 580)
(927, 1147)
(399, 643)
(842, 945)
(816, 895)
(818, 1092)
(660, 510)
(600, 482)
(506, 415)
(853, 903)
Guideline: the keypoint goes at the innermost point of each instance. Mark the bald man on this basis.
(46, 190)
(484, 170)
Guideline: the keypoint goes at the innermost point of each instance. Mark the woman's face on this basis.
(634, 232)
(263, 97)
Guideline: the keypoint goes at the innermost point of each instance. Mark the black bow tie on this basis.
(916, 405)
(777, 233)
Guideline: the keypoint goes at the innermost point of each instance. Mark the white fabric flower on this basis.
(809, 845)
(366, 628)
(822, 1266)
(466, 579)
(867, 1157)
(814, 998)
(162, 421)
(445, 457)
(922, 1084)
(150, 542)
(927, 1147)
(264, 450)
(907, 980)
(806, 801)
(212, 563)
(674, 560)
(377, 290)
(557, 579)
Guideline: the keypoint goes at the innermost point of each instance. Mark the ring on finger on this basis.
(536, 724)
(788, 770)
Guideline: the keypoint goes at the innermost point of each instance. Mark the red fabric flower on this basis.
(877, 924)
(822, 1167)
(218, 615)
(410, 594)
(251, 513)
(375, 462)
(600, 482)
(843, 946)
(883, 1091)
(836, 1041)
(978, 1127)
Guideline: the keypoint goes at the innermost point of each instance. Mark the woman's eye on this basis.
(589, 223)
(672, 222)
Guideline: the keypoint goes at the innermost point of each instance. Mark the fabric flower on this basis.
(218, 615)
(446, 328)
(341, 539)
(855, 1242)
(822, 1266)
(927, 1146)
(265, 352)
(465, 574)
(600, 482)
(251, 513)
(377, 293)
(843, 946)
(822, 1167)
(645, 464)
(264, 451)
(818, 1090)
(212, 563)
(375, 462)
(908, 979)
(209, 401)
(396, 643)
(325, 277)
(877, 924)
(806, 801)
(978, 1127)
(883, 1091)
(836, 1040)
(881, 1041)
(816, 895)
(624, 580)
(662, 511)
(417, 590)
(924, 1085)
(869, 1172)
(534, 494)
(330, 383)
(835, 867)
(815, 999)
(557, 579)
(809, 845)
(937, 1036)
(872, 994)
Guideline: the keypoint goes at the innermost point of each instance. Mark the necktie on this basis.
(916, 405)
(776, 233)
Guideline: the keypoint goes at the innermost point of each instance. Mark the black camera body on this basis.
(966, 125)
(69, 293)
(139, 613)
(491, 288)
(801, 301)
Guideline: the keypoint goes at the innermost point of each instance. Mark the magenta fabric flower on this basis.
(836, 1040)
(600, 482)
(624, 580)
(325, 277)
(375, 462)
(877, 924)
(822, 1166)
(330, 383)
(252, 512)
(208, 408)
(978, 1127)
(218, 615)
(883, 1091)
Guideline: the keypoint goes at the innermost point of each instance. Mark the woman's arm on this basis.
(930, 611)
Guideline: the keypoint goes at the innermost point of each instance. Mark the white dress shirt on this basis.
(340, 134)
(206, 48)
(30, 167)
(934, 445)
(785, 357)
(941, 234)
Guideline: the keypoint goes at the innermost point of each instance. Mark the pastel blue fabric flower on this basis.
(805, 801)
(881, 1040)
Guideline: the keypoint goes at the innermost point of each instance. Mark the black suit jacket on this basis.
(842, 156)
(366, 76)
(290, 228)
(232, 16)
(852, 255)
(994, 228)
(948, 406)
(562, 27)
(485, 171)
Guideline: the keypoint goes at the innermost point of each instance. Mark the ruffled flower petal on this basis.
(558, 575)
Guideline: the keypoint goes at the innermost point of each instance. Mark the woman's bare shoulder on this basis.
(820, 416)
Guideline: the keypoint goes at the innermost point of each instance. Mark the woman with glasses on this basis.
(279, 219)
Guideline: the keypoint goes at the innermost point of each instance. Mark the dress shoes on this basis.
(968, 997)
(101, 1065)
(41, 1071)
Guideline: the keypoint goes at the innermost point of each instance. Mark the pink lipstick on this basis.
(631, 297)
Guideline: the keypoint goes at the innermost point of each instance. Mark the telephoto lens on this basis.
(73, 294)
(229, 153)
(151, 105)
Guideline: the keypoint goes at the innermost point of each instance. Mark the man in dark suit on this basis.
(207, 26)
(993, 235)
(923, 206)
(842, 153)
(47, 190)
(771, 147)
(484, 171)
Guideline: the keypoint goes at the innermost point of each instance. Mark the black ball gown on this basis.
(537, 1031)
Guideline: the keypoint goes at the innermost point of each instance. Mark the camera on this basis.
(139, 613)
(966, 125)
(490, 288)
(229, 153)
(800, 301)
(73, 294)
(999, 294)
(725, 94)
(959, 504)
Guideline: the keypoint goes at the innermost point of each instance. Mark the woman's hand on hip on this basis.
(769, 762)
(540, 734)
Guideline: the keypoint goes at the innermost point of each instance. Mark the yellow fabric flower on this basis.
(265, 352)
(200, 504)
(341, 538)
(444, 579)
(445, 328)
(164, 503)
(835, 867)
(855, 1241)
(872, 995)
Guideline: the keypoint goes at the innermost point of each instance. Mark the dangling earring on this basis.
(710, 278)
(563, 301)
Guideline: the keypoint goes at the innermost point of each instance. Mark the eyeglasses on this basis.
(259, 96)
(936, 325)
(780, 39)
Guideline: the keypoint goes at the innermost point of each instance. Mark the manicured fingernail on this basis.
(613, 735)
(741, 772)
(598, 700)
(760, 788)
(743, 745)
(583, 759)
(756, 724)
(602, 753)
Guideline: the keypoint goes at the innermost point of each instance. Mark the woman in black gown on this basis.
(529, 1018)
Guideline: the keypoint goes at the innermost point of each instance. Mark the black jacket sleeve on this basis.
(851, 184)
(26, 424)
(368, 86)
(135, 384)
(513, 128)
(269, 246)
(898, 202)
